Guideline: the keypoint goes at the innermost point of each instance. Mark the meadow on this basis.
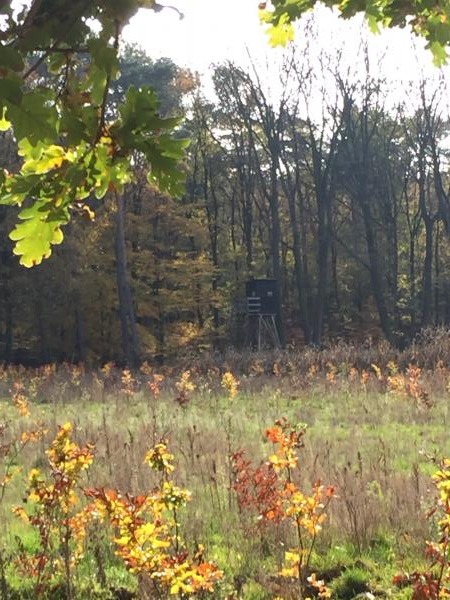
(253, 476)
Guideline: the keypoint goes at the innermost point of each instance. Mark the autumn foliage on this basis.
(55, 511)
(434, 583)
(147, 534)
(274, 491)
(145, 528)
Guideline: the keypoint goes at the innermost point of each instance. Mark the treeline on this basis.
(335, 184)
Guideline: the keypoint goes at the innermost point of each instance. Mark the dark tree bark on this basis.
(130, 335)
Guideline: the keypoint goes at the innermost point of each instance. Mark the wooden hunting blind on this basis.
(262, 296)
(262, 311)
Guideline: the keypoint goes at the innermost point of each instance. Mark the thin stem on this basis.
(444, 564)
(66, 554)
(300, 541)
(177, 533)
(102, 119)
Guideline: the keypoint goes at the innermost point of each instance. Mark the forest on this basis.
(347, 206)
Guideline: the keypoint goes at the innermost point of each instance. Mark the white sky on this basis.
(211, 31)
(216, 30)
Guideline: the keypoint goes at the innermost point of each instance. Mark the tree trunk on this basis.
(8, 306)
(412, 282)
(275, 251)
(323, 234)
(427, 298)
(437, 278)
(375, 270)
(298, 268)
(130, 335)
(80, 332)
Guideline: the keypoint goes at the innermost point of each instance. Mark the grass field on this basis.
(374, 432)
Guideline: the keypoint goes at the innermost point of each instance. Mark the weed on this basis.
(352, 582)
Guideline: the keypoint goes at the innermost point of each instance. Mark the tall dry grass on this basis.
(124, 419)
(374, 423)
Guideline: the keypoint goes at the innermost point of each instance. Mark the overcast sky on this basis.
(211, 31)
(215, 30)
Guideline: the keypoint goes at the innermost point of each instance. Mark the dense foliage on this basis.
(58, 60)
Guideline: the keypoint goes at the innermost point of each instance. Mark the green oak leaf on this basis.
(95, 83)
(39, 230)
(11, 58)
(439, 54)
(73, 128)
(373, 24)
(142, 128)
(104, 56)
(11, 89)
(281, 34)
(280, 31)
(35, 118)
(173, 147)
(165, 171)
(27, 150)
(17, 188)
